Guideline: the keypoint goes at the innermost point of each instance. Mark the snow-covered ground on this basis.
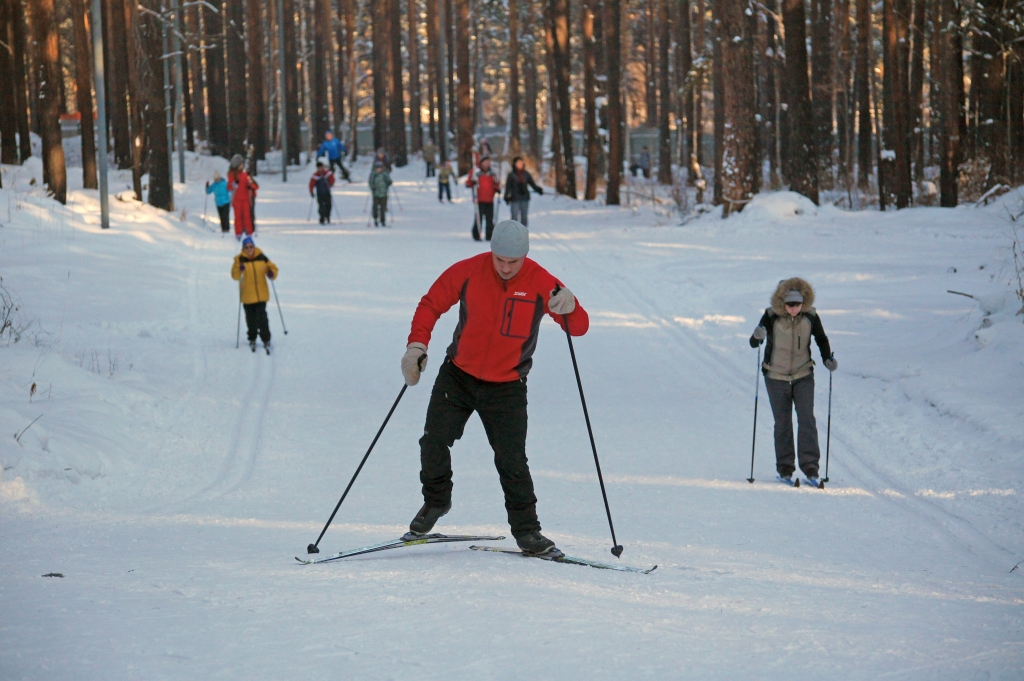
(171, 478)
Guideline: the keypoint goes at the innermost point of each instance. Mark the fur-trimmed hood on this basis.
(787, 285)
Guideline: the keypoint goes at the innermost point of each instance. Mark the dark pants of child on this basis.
(783, 396)
(486, 213)
(256, 322)
(380, 209)
(502, 409)
(430, 168)
(444, 188)
(324, 206)
(225, 217)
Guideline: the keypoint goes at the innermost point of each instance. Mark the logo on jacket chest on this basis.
(520, 293)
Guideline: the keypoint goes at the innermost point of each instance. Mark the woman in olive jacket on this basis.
(251, 269)
(788, 369)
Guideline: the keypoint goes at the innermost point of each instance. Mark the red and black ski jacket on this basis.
(486, 183)
(499, 320)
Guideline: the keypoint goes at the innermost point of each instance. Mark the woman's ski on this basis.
(408, 539)
(557, 556)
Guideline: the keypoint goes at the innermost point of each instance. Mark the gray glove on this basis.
(414, 361)
(760, 333)
(562, 302)
(832, 363)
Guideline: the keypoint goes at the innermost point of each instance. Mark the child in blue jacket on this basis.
(222, 197)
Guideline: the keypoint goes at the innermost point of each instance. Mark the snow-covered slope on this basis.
(172, 478)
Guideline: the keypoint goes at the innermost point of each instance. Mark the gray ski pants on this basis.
(520, 212)
(783, 396)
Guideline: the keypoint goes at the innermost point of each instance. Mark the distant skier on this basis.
(243, 195)
(382, 157)
(430, 157)
(502, 297)
(222, 197)
(444, 177)
(322, 181)
(517, 190)
(487, 187)
(251, 270)
(789, 373)
(380, 182)
(645, 162)
(334, 149)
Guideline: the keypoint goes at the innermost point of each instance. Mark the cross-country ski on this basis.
(557, 556)
(407, 540)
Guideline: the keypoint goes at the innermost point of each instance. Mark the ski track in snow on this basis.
(178, 551)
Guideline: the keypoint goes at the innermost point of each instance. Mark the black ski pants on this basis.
(324, 204)
(502, 408)
(784, 396)
(225, 217)
(442, 189)
(485, 212)
(380, 209)
(256, 322)
(341, 167)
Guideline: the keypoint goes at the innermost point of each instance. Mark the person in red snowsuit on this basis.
(243, 195)
(502, 297)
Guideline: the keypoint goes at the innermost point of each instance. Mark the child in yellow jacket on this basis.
(251, 270)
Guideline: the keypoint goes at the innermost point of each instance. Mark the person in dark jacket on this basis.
(380, 182)
(321, 182)
(517, 190)
(502, 298)
(788, 369)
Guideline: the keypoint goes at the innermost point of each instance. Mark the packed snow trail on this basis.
(172, 478)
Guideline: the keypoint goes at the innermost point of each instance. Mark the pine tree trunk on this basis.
(800, 162)
(896, 154)
(340, 69)
(139, 95)
(990, 87)
(773, 82)
(685, 65)
(862, 87)
(699, 49)
(195, 73)
(842, 92)
(83, 82)
(256, 122)
(20, 84)
(664, 95)
(589, 100)
(739, 155)
(464, 129)
(718, 91)
(8, 120)
(1015, 100)
(237, 100)
(562, 58)
(151, 76)
(353, 88)
(435, 36)
(118, 82)
(448, 22)
(951, 85)
(44, 25)
(916, 102)
(613, 58)
(650, 66)
(823, 87)
(551, 119)
(513, 78)
(318, 94)
(380, 74)
(532, 89)
(186, 98)
(415, 81)
(216, 93)
(398, 148)
(292, 101)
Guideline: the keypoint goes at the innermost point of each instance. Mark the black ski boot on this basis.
(426, 517)
(535, 543)
(252, 345)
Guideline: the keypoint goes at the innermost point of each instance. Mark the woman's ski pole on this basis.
(828, 432)
(757, 388)
(313, 548)
(278, 307)
(616, 547)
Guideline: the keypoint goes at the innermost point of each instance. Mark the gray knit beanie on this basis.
(511, 239)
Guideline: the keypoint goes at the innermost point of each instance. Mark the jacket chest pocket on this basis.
(517, 321)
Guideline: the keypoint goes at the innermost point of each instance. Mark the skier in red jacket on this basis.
(486, 186)
(502, 297)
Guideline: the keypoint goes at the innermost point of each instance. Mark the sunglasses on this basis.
(793, 304)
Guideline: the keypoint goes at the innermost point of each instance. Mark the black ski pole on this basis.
(312, 548)
(616, 547)
(828, 432)
(274, 287)
(757, 389)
